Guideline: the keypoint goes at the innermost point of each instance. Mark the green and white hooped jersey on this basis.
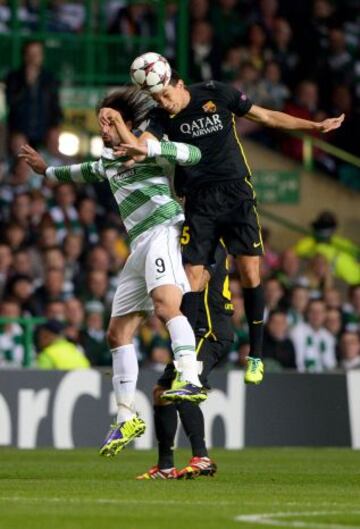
(143, 192)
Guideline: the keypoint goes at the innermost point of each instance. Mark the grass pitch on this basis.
(254, 489)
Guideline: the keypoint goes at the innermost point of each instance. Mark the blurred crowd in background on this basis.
(62, 247)
(300, 57)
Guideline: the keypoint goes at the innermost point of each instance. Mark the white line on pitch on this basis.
(272, 519)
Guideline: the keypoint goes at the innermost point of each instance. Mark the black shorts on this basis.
(209, 353)
(225, 211)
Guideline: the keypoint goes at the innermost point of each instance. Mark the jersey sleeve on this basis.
(234, 100)
(157, 123)
(174, 152)
(84, 173)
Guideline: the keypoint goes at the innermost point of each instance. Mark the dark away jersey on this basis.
(208, 122)
(216, 309)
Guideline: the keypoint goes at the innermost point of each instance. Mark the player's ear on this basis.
(180, 84)
(129, 124)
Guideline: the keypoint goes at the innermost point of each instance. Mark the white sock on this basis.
(183, 345)
(125, 374)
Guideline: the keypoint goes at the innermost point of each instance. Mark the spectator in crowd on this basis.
(333, 298)
(339, 63)
(47, 235)
(153, 332)
(266, 14)
(66, 16)
(133, 20)
(288, 272)
(98, 259)
(64, 214)
(93, 336)
(229, 22)
(160, 355)
(15, 236)
(54, 258)
(314, 35)
(22, 263)
(73, 250)
(271, 258)
(299, 299)
(171, 25)
(283, 50)
(199, 11)
(314, 344)
(6, 260)
(274, 92)
(277, 346)
(55, 351)
(16, 182)
(87, 220)
(205, 56)
(20, 211)
(54, 288)
(341, 254)
(75, 317)
(38, 208)
(20, 288)
(256, 51)
(11, 335)
(241, 330)
(32, 100)
(274, 295)
(115, 246)
(231, 64)
(346, 138)
(318, 276)
(334, 324)
(97, 288)
(305, 105)
(352, 310)
(55, 310)
(350, 350)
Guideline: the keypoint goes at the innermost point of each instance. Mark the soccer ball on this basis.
(150, 72)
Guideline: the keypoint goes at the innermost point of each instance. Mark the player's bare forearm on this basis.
(33, 158)
(281, 120)
(125, 135)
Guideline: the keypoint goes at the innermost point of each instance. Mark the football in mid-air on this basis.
(150, 72)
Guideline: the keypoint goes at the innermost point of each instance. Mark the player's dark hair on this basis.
(175, 78)
(132, 103)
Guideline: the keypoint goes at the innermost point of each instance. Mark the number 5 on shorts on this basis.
(185, 236)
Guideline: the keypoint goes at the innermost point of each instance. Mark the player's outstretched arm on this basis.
(272, 118)
(175, 152)
(88, 172)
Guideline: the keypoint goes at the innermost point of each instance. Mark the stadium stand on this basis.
(61, 247)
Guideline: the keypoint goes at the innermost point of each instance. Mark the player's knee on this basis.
(250, 275)
(165, 310)
(116, 337)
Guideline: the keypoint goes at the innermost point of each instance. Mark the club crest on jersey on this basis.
(209, 107)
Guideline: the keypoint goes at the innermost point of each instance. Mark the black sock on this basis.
(254, 304)
(190, 306)
(165, 418)
(193, 422)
